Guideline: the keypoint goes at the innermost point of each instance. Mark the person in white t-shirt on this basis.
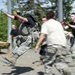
(56, 41)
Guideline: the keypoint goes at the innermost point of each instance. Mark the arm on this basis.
(9, 38)
(41, 38)
(72, 26)
(20, 17)
(8, 15)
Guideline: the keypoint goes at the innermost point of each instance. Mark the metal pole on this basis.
(9, 22)
(60, 10)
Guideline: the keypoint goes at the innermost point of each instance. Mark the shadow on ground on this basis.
(19, 70)
(3, 53)
(40, 73)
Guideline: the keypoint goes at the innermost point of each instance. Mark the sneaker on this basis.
(11, 60)
(6, 63)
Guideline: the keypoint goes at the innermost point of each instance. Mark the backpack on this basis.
(25, 29)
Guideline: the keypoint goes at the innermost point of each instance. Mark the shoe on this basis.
(11, 60)
(6, 63)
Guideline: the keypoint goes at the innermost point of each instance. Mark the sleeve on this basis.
(15, 18)
(11, 32)
(44, 29)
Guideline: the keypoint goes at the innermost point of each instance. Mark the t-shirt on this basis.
(73, 29)
(31, 21)
(26, 27)
(14, 32)
(55, 32)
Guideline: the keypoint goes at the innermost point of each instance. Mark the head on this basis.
(20, 14)
(13, 26)
(72, 16)
(44, 19)
(50, 15)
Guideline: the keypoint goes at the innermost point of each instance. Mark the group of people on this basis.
(60, 44)
(53, 33)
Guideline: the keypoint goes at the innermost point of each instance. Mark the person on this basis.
(56, 41)
(71, 25)
(68, 35)
(14, 33)
(44, 45)
(44, 19)
(24, 46)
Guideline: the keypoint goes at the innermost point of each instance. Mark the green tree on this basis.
(40, 11)
(35, 8)
(3, 27)
(66, 7)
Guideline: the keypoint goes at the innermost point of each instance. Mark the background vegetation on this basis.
(38, 9)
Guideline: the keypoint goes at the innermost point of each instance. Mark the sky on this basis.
(3, 7)
(1, 4)
(73, 4)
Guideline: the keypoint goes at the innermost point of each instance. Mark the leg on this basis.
(53, 53)
(19, 50)
(49, 60)
(14, 42)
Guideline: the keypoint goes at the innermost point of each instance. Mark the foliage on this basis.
(40, 11)
(36, 9)
(3, 27)
(66, 7)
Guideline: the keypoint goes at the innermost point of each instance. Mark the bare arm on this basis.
(8, 15)
(72, 26)
(9, 37)
(20, 17)
(41, 38)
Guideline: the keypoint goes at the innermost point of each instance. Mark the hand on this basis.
(67, 23)
(15, 13)
(66, 27)
(5, 14)
(36, 48)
